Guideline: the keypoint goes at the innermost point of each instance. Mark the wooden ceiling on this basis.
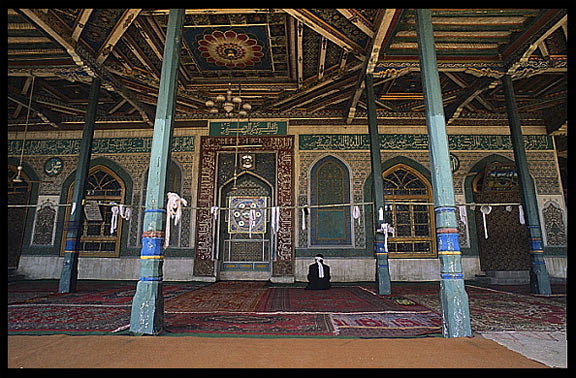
(302, 64)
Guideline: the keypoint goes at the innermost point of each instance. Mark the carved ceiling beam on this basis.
(48, 116)
(22, 92)
(82, 57)
(117, 32)
(80, 23)
(322, 59)
(356, 18)
(469, 93)
(463, 84)
(548, 24)
(325, 30)
(383, 27)
(299, 52)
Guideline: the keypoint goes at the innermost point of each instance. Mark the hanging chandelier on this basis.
(232, 106)
(229, 104)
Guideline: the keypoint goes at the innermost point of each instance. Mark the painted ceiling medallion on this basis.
(230, 49)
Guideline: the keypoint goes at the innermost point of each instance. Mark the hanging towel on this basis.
(463, 216)
(303, 212)
(214, 212)
(252, 221)
(356, 214)
(114, 220)
(320, 267)
(521, 214)
(173, 211)
(381, 214)
(274, 218)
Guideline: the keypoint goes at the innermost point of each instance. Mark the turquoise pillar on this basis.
(382, 270)
(69, 273)
(147, 315)
(539, 280)
(453, 297)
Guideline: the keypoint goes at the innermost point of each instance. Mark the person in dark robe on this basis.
(318, 274)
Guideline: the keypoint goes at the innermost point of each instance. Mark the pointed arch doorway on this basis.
(503, 245)
(245, 242)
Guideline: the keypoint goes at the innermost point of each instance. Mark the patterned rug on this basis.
(495, 310)
(394, 324)
(286, 324)
(253, 308)
(220, 296)
(337, 299)
(66, 318)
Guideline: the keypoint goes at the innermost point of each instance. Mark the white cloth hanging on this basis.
(214, 212)
(118, 210)
(173, 211)
(381, 214)
(274, 218)
(320, 267)
(521, 214)
(386, 228)
(463, 216)
(303, 214)
(251, 221)
(356, 214)
(485, 209)
(114, 221)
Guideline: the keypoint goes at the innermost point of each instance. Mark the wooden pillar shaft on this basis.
(539, 279)
(453, 297)
(147, 315)
(69, 274)
(382, 270)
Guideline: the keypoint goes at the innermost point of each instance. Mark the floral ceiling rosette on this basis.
(230, 49)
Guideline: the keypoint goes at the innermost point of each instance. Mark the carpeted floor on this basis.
(260, 309)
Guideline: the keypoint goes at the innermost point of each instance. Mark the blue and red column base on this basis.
(147, 317)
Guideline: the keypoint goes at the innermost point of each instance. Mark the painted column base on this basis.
(454, 308)
(69, 274)
(539, 278)
(383, 276)
(147, 316)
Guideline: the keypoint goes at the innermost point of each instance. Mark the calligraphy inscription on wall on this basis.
(231, 128)
(99, 146)
(419, 142)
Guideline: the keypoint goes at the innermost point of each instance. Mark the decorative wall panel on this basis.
(210, 146)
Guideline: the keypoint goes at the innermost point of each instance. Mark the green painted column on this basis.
(382, 270)
(453, 297)
(147, 315)
(69, 274)
(539, 279)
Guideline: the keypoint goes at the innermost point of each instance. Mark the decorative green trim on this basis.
(99, 146)
(260, 128)
(419, 142)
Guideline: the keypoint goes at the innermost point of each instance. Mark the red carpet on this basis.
(253, 308)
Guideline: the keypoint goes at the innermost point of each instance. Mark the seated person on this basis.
(318, 275)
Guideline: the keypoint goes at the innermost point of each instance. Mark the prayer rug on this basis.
(336, 299)
(388, 324)
(286, 324)
(111, 294)
(66, 318)
(220, 296)
(492, 310)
